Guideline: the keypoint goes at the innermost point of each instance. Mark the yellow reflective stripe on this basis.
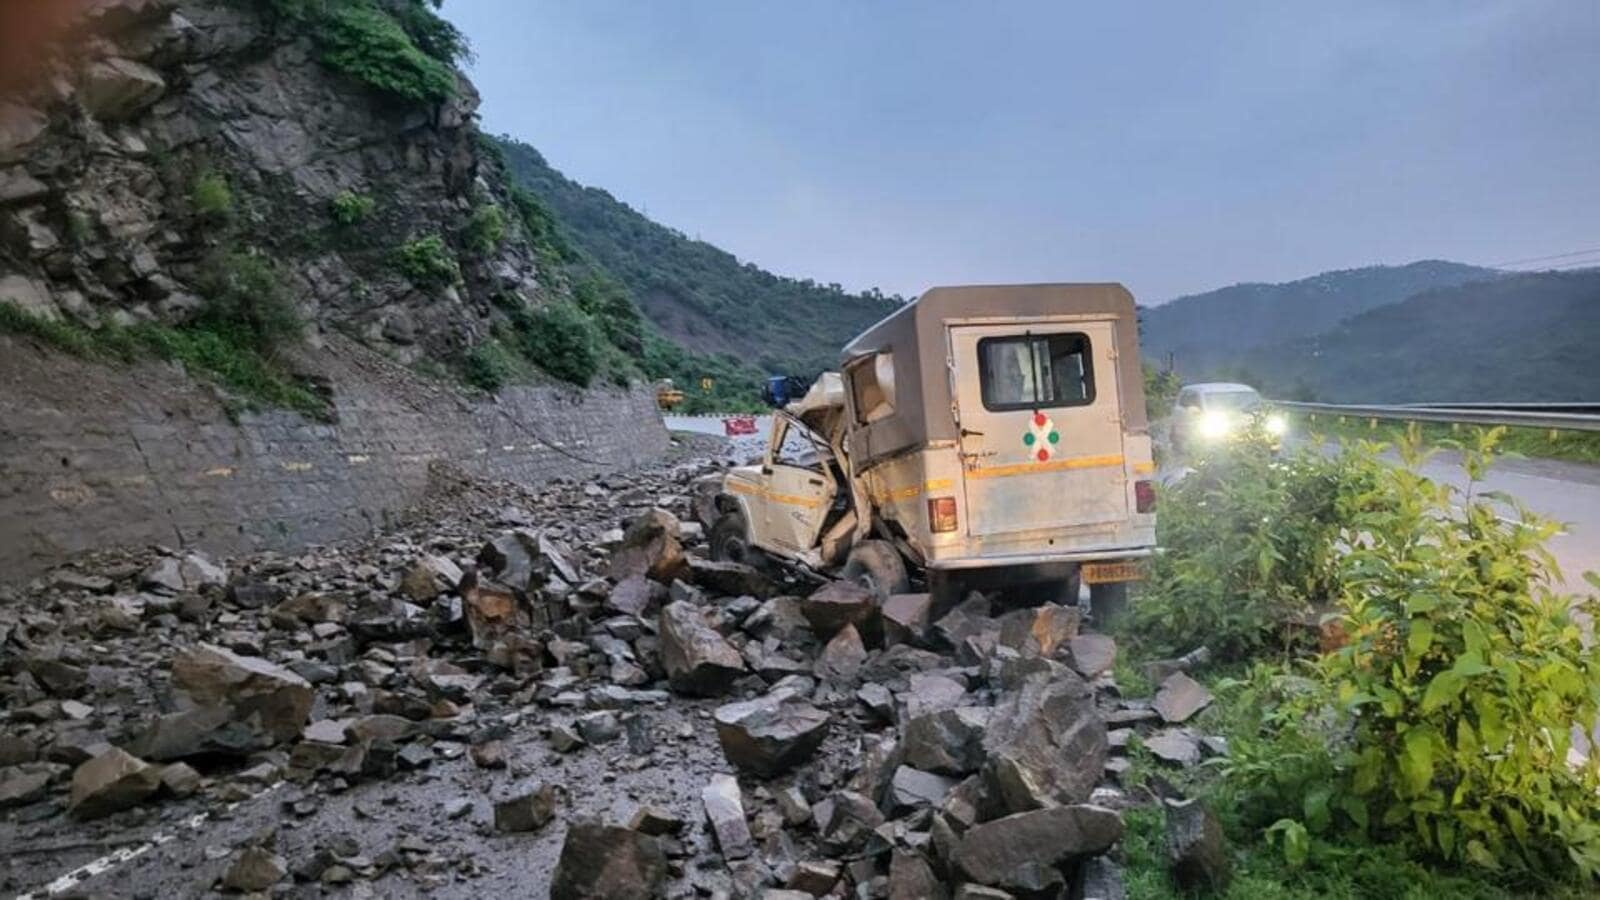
(906, 493)
(1058, 465)
(1143, 468)
(739, 487)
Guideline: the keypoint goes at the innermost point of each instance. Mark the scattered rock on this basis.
(729, 578)
(650, 547)
(256, 869)
(1174, 745)
(530, 810)
(1196, 849)
(905, 618)
(1093, 654)
(911, 878)
(112, 781)
(836, 605)
(1180, 697)
(725, 810)
(841, 660)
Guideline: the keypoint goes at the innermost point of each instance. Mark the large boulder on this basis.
(116, 89)
(651, 546)
(771, 734)
(1024, 852)
(1040, 630)
(608, 862)
(270, 700)
(696, 658)
(20, 126)
(1045, 743)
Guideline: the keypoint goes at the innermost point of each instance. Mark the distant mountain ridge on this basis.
(1515, 338)
(699, 295)
(1202, 332)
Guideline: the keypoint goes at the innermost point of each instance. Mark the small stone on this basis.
(180, 779)
(256, 869)
(905, 618)
(911, 878)
(489, 755)
(528, 811)
(841, 660)
(696, 658)
(914, 788)
(655, 821)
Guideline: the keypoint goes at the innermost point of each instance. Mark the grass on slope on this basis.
(210, 351)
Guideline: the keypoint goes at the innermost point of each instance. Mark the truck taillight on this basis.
(1144, 496)
(942, 514)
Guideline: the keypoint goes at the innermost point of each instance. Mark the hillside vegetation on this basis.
(702, 297)
(1205, 332)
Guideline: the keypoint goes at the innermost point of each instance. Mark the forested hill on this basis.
(1203, 332)
(1524, 338)
(695, 293)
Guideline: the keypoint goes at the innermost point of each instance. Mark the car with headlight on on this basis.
(1214, 414)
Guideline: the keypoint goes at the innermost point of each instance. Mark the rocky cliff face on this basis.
(147, 144)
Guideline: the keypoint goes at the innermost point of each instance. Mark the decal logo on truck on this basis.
(1042, 437)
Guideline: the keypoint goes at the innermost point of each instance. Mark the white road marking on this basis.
(110, 861)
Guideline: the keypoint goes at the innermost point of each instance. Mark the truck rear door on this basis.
(1040, 425)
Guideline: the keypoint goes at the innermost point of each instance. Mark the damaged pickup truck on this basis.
(986, 437)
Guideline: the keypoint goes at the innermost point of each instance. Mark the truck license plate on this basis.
(1106, 572)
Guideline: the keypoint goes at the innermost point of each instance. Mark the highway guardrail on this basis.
(1558, 416)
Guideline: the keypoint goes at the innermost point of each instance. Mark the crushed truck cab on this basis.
(991, 436)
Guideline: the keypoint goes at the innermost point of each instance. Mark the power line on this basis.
(1534, 259)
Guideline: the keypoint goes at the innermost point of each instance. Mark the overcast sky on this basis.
(1173, 146)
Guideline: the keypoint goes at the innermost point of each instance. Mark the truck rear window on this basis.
(1035, 371)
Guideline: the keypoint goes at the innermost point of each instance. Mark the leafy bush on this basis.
(245, 299)
(563, 341)
(486, 230)
(428, 262)
(351, 208)
(372, 46)
(211, 196)
(540, 227)
(490, 366)
(432, 34)
(1249, 540)
(1464, 676)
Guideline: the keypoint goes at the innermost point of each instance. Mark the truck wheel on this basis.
(877, 566)
(730, 539)
(1108, 605)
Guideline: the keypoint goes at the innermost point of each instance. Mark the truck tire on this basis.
(1108, 605)
(730, 539)
(877, 566)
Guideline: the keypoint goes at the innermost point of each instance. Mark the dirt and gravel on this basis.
(555, 692)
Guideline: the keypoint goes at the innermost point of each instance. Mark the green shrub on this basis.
(1464, 676)
(368, 44)
(351, 208)
(211, 196)
(432, 34)
(245, 299)
(428, 262)
(563, 341)
(540, 227)
(486, 230)
(490, 366)
(1249, 541)
(608, 303)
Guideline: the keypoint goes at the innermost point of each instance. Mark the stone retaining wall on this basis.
(94, 456)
